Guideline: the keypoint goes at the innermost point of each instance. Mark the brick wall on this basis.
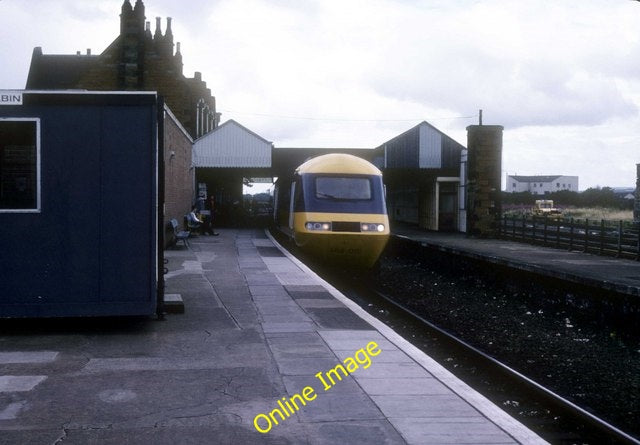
(484, 164)
(179, 175)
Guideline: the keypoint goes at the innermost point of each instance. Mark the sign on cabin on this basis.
(10, 98)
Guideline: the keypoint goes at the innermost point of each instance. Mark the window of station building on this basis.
(19, 165)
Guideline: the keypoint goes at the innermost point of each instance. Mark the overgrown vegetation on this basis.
(596, 213)
(593, 197)
(593, 203)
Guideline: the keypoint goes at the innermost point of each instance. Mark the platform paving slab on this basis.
(334, 406)
(401, 386)
(28, 357)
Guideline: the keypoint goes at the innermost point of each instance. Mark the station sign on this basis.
(8, 97)
(260, 180)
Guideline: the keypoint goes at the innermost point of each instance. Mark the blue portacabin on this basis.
(78, 204)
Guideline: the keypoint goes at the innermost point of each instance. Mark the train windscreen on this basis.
(343, 188)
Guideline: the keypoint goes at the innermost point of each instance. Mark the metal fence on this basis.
(615, 238)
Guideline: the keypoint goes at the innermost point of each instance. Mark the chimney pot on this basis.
(88, 51)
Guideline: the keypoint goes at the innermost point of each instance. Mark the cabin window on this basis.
(343, 188)
(19, 165)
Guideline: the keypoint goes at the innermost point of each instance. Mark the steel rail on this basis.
(560, 402)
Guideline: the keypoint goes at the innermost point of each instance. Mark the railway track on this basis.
(553, 417)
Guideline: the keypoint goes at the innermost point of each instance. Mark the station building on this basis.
(422, 169)
(424, 172)
(137, 60)
(224, 160)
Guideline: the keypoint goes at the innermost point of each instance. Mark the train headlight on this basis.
(371, 227)
(318, 226)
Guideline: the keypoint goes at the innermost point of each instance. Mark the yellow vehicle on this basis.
(334, 208)
(544, 207)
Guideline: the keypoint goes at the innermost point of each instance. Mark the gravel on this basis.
(581, 344)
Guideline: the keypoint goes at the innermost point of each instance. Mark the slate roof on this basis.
(57, 72)
(232, 145)
(536, 178)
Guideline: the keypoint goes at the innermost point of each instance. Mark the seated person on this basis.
(192, 219)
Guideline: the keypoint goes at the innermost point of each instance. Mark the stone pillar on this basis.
(636, 204)
(484, 166)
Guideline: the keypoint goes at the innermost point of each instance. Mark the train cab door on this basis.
(292, 202)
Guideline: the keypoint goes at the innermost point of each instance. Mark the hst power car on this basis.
(334, 208)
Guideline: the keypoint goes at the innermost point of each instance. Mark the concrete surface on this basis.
(257, 328)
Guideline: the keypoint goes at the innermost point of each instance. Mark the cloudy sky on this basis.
(561, 76)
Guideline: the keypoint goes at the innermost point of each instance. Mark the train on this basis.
(333, 207)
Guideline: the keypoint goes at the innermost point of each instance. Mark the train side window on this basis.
(19, 165)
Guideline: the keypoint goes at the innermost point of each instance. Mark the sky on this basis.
(561, 76)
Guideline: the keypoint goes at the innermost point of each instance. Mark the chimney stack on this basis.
(158, 33)
(484, 178)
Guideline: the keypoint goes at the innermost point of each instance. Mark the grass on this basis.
(592, 213)
(598, 213)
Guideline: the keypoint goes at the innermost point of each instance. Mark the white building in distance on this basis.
(539, 185)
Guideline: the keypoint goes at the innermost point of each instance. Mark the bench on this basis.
(179, 235)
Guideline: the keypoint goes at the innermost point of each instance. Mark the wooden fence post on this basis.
(586, 235)
(533, 229)
(619, 238)
(638, 251)
(571, 234)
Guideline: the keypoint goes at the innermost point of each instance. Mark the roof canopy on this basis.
(232, 146)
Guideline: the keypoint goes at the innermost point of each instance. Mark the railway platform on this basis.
(265, 352)
(599, 272)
